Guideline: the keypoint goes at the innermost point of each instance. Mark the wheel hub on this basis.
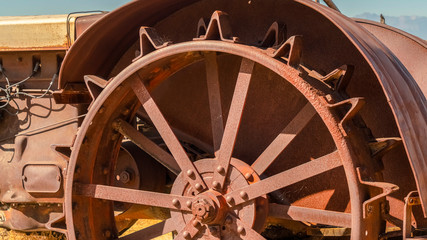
(210, 207)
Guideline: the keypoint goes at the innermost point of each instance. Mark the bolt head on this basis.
(220, 169)
(243, 195)
(228, 220)
(248, 176)
(240, 229)
(196, 223)
(229, 199)
(190, 173)
(189, 203)
(186, 235)
(175, 202)
(216, 185)
(198, 187)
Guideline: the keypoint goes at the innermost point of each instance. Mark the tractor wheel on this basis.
(247, 137)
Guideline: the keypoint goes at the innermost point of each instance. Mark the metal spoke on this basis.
(165, 131)
(283, 139)
(151, 232)
(286, 178)
(214, 98)
(233, 122)
(147, 198)
(326, 217)
(147, 145)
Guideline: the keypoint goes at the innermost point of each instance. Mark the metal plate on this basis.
(39, 178)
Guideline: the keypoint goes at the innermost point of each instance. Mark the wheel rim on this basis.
(86, 182)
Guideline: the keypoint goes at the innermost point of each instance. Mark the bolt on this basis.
(248, 176)
(125, 112)
(189, 203)
(370, 208)
(229, 199)
(175, 202)
(216, 185)
(220, 169)
(198, 187)
(228, 220)
(186, 235)
(107, 233)
(114, 137)
(244, 195)
(123, 177)
(328, 98)
(190, 173)
(240, 229)
(196, 224)
(213, 230)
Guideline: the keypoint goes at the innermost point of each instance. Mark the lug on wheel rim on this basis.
(220, 195)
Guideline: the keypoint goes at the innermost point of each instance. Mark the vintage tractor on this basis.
(223, 119)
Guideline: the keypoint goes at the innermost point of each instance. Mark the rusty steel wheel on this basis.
(277, 141)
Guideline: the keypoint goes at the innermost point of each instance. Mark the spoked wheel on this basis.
(276, 143)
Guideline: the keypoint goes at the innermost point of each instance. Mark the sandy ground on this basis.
(12, 235)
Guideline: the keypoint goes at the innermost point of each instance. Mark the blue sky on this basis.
(392, 9)
(349, 7)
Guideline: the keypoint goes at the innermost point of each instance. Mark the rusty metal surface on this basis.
(411, 50)
(378, 59)
(401, 90)
(281, 105)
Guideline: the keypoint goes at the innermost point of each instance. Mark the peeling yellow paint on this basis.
(28, 33)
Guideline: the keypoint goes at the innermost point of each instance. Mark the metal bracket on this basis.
(149, 41)
(219, 28)
(387, 188)
(293, 46)
(275, 35)
(356, 104)
(411, 200)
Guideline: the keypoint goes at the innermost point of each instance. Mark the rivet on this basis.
(216, 185)
(107, 233)
(175, 202)
(198, 187)
(229, 199)
(196, 223)
(243, 194)
(125, 112)
(220, 169)
(189, 203)
(186, 235)
(190, 173)
(248, 176)
(240, 229)
(114, 137)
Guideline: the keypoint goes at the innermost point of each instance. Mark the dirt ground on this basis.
(12, 235)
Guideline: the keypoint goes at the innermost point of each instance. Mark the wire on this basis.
(9, 88)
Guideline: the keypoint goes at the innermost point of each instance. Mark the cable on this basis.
(8, 90)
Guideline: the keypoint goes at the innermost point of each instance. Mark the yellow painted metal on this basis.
(29, 33)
